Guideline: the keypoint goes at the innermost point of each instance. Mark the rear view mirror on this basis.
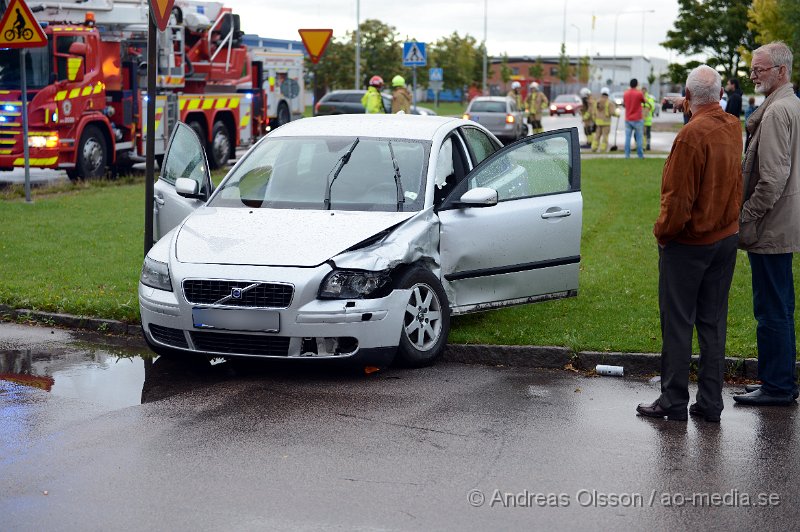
(478, 197)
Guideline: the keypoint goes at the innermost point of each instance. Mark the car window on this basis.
(487, 107)
(184, 158)
(538, 167)
(353, 98)
(480, 145)
(297, 173)
(333, 98)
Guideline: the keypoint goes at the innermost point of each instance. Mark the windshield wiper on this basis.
(397, 180)
(343, 160)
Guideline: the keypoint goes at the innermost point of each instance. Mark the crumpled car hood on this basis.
(276, 237)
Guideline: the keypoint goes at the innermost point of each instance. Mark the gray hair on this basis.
(780, 54)
(704, 83)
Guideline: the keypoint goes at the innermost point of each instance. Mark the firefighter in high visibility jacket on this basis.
(648, 107)
(401, 98)
(587, 115)
(604, 109)
(372, 100)
(514, 93)
(535, 103)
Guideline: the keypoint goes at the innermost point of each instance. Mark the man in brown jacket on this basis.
(696, 230)
(770, 222)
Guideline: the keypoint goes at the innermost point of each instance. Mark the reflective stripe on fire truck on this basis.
(36, 162)
(62, 95)
(73, 64)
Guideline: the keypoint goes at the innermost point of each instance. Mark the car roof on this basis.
(491, 98)
(419, 127)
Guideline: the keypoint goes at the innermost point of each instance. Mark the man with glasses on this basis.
(770, 222)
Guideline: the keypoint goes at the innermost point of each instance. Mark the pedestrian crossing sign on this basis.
(19, 28)
(414, 54)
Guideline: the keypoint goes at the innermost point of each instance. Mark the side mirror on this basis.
(477, 197)
(188, 188)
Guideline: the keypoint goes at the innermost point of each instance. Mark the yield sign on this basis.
(161, 10)
(19, 28)
(315, 42)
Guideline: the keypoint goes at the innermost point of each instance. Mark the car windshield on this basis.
(302, 172)
(488, 107)
(37, 68)
(566, 98)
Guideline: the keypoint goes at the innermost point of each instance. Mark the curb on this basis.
(530, 356)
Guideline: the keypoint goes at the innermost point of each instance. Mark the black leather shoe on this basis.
(759, 398)
(696, 410)
(753, 387)
(656, 410)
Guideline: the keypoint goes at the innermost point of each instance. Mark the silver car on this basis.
(357, 237)
(498, 114)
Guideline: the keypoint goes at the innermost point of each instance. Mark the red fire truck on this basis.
(87, 88)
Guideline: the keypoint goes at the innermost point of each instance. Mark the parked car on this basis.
(356, 238)
(566, 104)
(499, 115)
(349, 102)
(666, 102)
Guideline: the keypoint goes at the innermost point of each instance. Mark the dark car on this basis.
(347, 102)
(666, 102)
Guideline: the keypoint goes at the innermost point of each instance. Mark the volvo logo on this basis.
(236, 293)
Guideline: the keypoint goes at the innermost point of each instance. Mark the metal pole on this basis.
(25, 150)
(614, 60)
(564, 25)
(414, 92)
(357, 81)
(150, 145)
(579, 40)
(485, 58)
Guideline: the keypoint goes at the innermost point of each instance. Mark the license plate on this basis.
(236, 319)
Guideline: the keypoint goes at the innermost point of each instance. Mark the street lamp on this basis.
(358, 44)
(485, 16)
(579, 39)
(616, 19)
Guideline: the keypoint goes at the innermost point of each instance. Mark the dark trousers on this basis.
(693, 286)
(773, 308)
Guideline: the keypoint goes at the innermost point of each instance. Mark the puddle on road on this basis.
(112, 381)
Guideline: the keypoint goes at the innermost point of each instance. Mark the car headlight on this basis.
(354, 284)
(553, 107)
(569, 108)
(156, 274)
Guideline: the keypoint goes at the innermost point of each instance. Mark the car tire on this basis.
(219, 150)
(424, 334)
(284, 116)
(92, 155)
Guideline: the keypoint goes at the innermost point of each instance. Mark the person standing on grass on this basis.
(770, 222)
(649, 107)
(696, 230)
(634, 120)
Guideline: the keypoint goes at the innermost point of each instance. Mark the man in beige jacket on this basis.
(770, 222)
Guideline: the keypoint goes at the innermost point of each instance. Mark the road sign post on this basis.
(20, 29)
(435, 83)
(414, 55)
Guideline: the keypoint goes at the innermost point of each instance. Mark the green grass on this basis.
(78, 249)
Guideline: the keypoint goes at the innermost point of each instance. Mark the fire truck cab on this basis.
(87, 88)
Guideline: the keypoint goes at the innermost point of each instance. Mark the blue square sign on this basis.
(414, 54)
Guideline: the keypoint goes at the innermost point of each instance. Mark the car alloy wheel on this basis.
(426, 320)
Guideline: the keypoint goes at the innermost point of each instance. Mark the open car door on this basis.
(525, 246)
(184, 182)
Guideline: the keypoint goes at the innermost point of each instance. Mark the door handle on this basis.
(556, 214)
(160, 200)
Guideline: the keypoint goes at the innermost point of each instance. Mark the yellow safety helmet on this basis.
(398, 81)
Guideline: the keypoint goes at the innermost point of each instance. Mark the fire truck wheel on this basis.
(92, 154)
(284, 116)
(219, 151)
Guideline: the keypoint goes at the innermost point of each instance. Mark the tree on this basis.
(776, 20)
(563, 64)
(460, 57)
(536, 70)
(505, 70)
(381, 51)
(583, 69)
(677, 72)
(715, 28)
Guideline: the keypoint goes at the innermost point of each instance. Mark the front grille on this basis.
(241, 344)
(169, 336)
(211, 291)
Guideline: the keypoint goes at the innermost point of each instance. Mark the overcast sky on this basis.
(517, 27)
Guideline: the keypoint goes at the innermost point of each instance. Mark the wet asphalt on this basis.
(96, 435)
